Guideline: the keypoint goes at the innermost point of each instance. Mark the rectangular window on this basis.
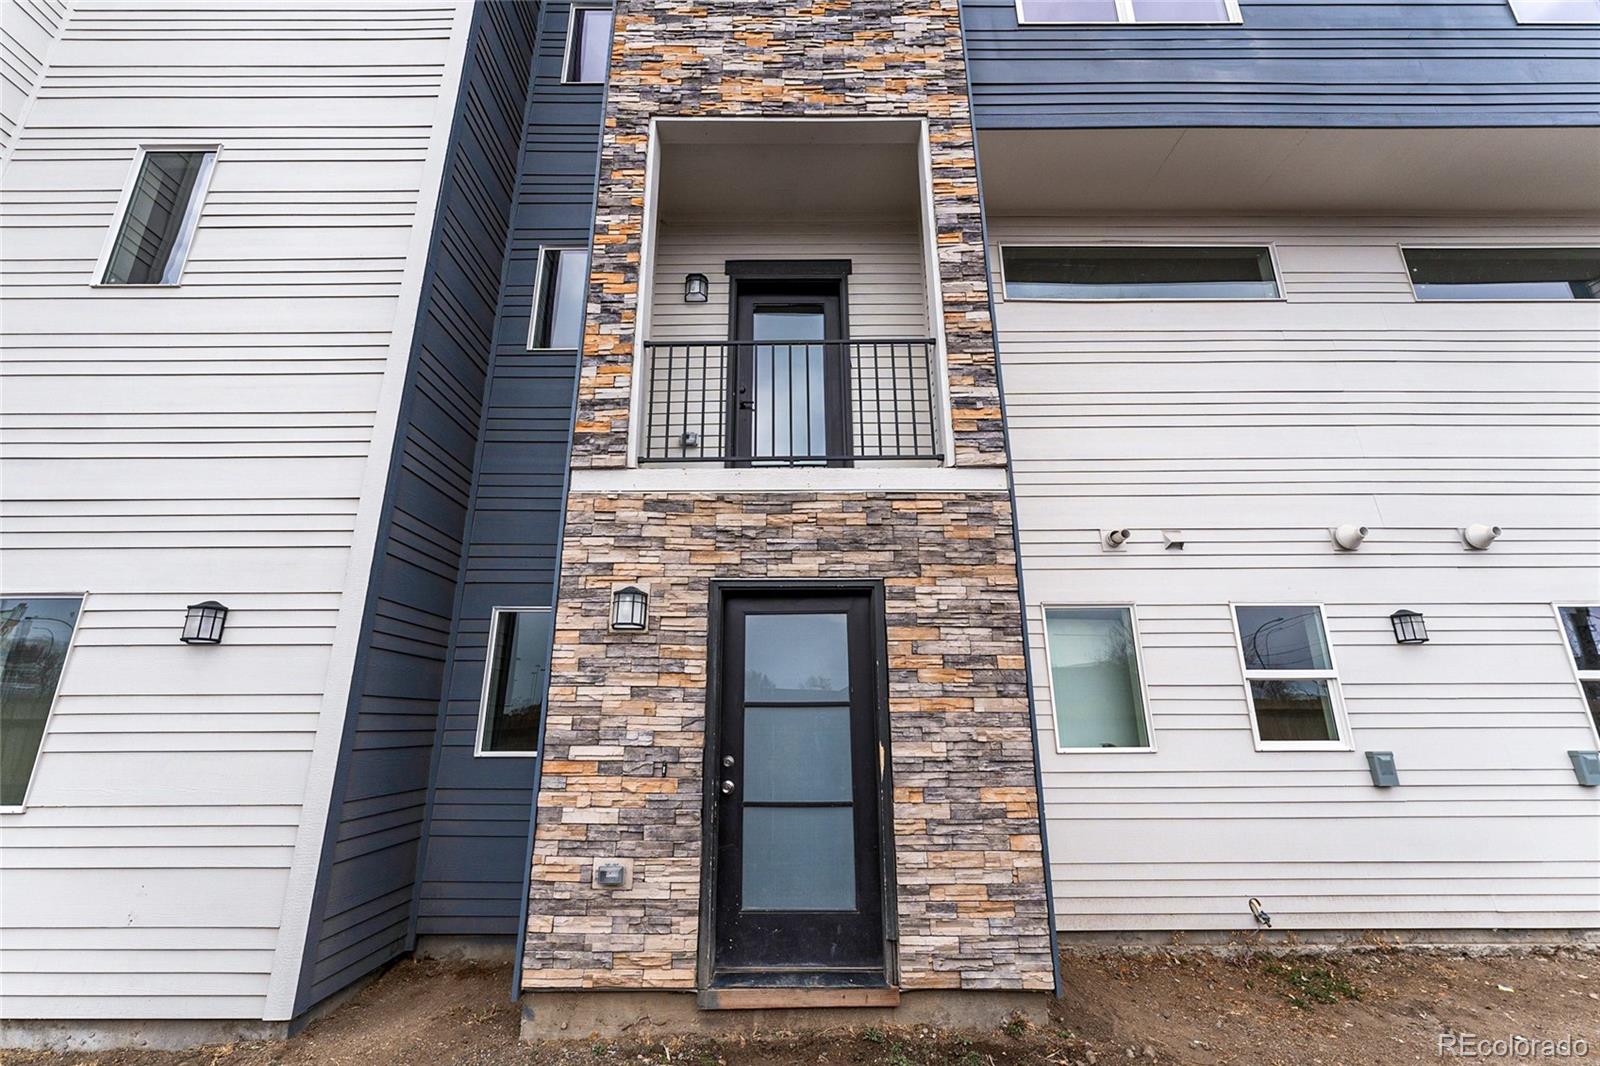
(1582, 626)
(1127, 11)
(159, 220)
(588, 46)
(1290, 677)
(1095, 685)
(1504, 273)
(35, 633)
(1093, 272)
(558, 298)
(1570, 11)
(516, 672)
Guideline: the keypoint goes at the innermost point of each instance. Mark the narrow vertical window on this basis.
(558, 298)
(515, 680)
(1095, 686)
(158, 222)
(34, 636)
(1290, 677)
(588, 46)
(1582, 625)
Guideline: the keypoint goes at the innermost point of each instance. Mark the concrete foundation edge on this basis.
(635, 1015)
(1312, 941)
(172, 1034)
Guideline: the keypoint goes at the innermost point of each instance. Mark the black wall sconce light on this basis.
(630, 609)
(1409, 627)
(204, 623)
(696, 289)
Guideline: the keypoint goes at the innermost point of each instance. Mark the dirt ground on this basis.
(1369, 1009)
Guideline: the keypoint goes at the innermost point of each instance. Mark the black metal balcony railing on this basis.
(789, 403)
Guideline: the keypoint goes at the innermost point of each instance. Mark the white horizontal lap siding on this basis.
(28, 30)
(1254, 427)
(225, 439)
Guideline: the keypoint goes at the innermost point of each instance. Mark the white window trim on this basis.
(1473, 246)
(479, 734)
(572, 37)
(1125, 18)
(186, 231)
(1331, 675)
(66, 661)
(1270, 246)
(1578, 676)
(1517, 15)
(538, 285)
(1138, 662)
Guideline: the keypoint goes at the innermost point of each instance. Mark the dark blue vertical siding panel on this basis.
(366, 881)
(477, 834)
(1315, 63)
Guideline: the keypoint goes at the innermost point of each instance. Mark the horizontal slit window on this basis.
(1504, 273)
(1127, 11)
(1138, 273)
(35, 633)
(159, 220)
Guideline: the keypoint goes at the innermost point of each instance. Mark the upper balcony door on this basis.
(790, 401)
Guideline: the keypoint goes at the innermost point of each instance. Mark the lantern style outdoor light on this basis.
(630, 609)
(1409, 627)
(696, 289)
(204, 623)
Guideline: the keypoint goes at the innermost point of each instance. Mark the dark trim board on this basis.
(720, 590)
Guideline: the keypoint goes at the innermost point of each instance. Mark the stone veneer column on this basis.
(625, 727)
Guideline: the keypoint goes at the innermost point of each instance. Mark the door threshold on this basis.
(778, 997)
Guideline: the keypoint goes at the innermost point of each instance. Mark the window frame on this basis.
(186, 231)
(1149, 748)
(55, 700)
(538, 285)
(1270, 246)
(1516, 17)
(1578, 676)
(572, 39)
(1345, 742)
(481, 732)
(1405, 268)
(1125, 18)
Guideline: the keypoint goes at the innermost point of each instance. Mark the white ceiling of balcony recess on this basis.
(788, 169)
(1411, 171)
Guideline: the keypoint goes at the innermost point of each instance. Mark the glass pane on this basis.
(1591, 694)
(591, 52)
(153, 223)
(34, 634)
(1069, 10)
(1283, 638)
(1294, 710)
(797, 755)
(1180, 11)
(1147, 273)
(1094, 678)
(517, 683)
(1583, 635)
(796, 658)
(789, 416)
(559, 304)
(799, 859)
(1557, 10)
(1505, 273)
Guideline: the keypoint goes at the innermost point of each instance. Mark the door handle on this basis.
(747, 405)
(727, 788)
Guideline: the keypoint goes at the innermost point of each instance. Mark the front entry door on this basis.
(796, 779)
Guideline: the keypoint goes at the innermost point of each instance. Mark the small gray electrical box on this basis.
(1381, 765)
(1586, 764)
(610, 874)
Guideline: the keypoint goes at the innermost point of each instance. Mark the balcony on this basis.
(790, 403)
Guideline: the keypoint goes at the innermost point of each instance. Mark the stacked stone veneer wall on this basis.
(622, 772)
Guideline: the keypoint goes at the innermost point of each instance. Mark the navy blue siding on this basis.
(476, 846)
(361, 911)
(1316, 63)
